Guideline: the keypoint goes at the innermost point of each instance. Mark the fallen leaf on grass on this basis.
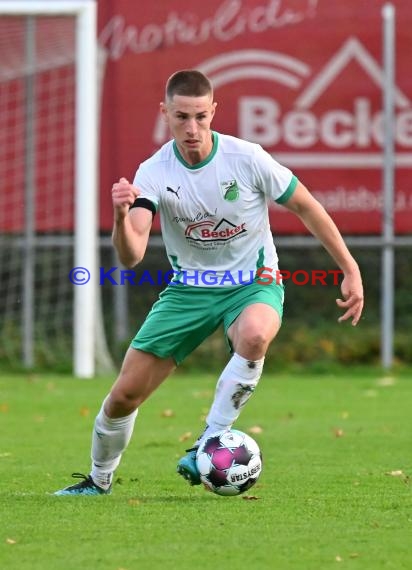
(168, 413)
(133, 502)
(396, 473)
(338, 432)
(203, 394)
(386, 381)
(400, 474)
(250, 498)
(84, 411)
(352, 555)
(11, 541)
(185, 436)
(4, 408)
(255, 430)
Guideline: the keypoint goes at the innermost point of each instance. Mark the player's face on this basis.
(189, 120)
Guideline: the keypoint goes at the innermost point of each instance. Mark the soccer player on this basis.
(211, 191)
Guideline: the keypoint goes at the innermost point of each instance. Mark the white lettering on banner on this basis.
(352, 137)
(261, 121)
(359, 199)
(232, 19)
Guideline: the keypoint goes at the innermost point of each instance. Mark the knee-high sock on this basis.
(234, 388)
(110, 438)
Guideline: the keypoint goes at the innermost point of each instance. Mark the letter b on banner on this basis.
(258, 120)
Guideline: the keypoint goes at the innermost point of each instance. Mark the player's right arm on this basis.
(131, 228)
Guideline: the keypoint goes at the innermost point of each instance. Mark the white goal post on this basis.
(85, 212)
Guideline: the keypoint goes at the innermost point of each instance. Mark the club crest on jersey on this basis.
(230, 190)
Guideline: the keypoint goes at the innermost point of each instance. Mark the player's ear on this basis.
(214, 104)
(163, 110)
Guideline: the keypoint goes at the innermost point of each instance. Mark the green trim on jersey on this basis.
(177, 270)
(288, 192)
(174, 263)
(261, 258)
(200, 164)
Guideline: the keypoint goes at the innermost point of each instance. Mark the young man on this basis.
(211, 191)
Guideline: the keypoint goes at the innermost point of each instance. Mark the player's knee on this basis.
(122, 402)
(255, 340)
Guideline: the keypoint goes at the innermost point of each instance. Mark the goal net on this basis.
(48, 195)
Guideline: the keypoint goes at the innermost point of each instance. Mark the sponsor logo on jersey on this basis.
(208, 231)
(230, 190)
(175, 192)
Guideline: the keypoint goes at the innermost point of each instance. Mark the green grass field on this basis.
(335, 490)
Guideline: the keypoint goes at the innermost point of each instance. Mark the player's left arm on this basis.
(321, 225)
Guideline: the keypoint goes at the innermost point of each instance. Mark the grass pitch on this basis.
(335, 490)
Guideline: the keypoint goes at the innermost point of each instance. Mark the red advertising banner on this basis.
(301, 77)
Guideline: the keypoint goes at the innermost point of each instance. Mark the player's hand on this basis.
(352, 302)
(123, 196)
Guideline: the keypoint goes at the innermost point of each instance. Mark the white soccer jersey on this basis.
(214, 215)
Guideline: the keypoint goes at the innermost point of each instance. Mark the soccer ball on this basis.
(229, 462)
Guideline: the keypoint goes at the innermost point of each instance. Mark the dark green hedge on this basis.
(310, 335)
